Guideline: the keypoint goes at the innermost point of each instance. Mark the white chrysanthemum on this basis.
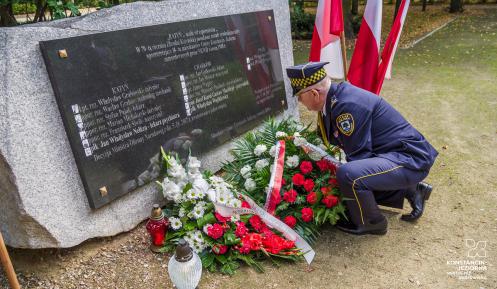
(191, 194)
(292, 161)
(250, 184)
(198, 212)
(201, 204)
(272, 151)
(280, 134)
(170, 189)
(182, 212)
(245, 171)
(296, 134)
(299, 141)
(175, 223)
(235, 203)
(198, 248)
(260, 164)
(198, 236)
(190, 215)
(206, 228)
(260, 149)
(222, 198)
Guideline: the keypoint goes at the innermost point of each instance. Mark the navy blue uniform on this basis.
(386, 155)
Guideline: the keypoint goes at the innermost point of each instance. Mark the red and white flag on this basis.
(363, 67)
(388, 53)
(325, 44)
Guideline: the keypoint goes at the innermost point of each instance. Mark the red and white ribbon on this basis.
(274, 187)
(307, 147)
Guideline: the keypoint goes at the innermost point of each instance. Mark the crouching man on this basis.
(387, 158)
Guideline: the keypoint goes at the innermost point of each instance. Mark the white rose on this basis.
(260, 164)
(292, 161)
(250, 185)
(260, 149)
(299, 141)
(245, 171)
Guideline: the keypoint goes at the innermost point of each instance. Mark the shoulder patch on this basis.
(345, 123)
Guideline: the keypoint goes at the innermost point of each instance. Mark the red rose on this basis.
(333, 183)
(245, 205)
(290, 196)
(306, 167)
(241, 229)
(219, 249)
(330, 201)
(312, 198)
(325, 190)
(283, 182)
(309, 185)
(307, 214)
(244, 248)
(257, 223)
(298, 179)
(221, 219)
(291, 221)
(215, 231)
(254, 241)
(322, 165)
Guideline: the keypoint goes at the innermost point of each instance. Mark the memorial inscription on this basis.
(185, 86)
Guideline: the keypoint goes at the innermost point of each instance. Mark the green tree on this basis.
(7, 17)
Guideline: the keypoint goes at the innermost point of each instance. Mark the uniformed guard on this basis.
(387, 158)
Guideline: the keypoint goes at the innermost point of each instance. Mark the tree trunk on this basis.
(455, 6)
(115, 2)
(39, 10)
(7, 17)
(424, 5)
(355, 7)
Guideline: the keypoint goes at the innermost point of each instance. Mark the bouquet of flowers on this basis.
(221, 241)
(309, 194)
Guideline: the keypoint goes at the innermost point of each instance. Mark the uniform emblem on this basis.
(345, 123)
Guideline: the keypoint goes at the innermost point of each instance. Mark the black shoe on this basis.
(417, 200)
(376, 228)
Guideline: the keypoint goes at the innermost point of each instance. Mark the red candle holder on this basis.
(157, 228)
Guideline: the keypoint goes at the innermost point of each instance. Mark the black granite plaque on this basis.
(186, 86)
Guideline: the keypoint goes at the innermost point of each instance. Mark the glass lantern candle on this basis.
(185, 267)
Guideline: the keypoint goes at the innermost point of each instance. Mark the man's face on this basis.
(311, 100)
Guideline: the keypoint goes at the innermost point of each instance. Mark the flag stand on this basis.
(7, 265)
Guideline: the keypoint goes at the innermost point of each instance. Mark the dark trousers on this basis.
(372, 182)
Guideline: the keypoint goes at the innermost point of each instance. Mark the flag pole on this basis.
(7, 265)
(344, 50)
